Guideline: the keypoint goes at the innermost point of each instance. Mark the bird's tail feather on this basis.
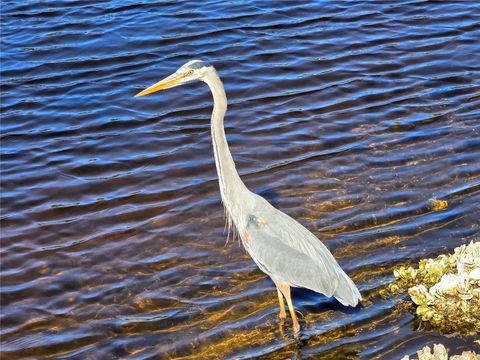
(346, 292)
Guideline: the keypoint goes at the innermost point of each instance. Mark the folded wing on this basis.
(290, 254)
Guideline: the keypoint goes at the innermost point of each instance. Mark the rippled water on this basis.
(350, 116)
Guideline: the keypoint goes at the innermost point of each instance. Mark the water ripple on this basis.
(350, 116)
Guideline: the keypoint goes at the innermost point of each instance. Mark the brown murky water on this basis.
(350, 116)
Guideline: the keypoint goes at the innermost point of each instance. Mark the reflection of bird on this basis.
(281, 247)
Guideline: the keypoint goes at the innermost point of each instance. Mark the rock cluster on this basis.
(440, 353)
(446, 290)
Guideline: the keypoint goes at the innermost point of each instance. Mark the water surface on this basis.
(350, 116)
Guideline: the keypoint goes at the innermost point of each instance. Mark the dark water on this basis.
(351, 116)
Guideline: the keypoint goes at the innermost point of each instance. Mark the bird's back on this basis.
(290, 254)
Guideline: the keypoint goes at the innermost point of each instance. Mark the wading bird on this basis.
(280, 246)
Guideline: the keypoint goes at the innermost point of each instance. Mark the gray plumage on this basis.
(280, 246)
(289, 253)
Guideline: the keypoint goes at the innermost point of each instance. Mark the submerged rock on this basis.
(440, 353)
(446, 290)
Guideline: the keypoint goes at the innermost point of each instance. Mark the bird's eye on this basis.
(190, 72)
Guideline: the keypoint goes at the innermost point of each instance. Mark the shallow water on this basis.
(351, 116)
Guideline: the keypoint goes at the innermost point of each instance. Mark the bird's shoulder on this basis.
(267, 221)
(285, 249)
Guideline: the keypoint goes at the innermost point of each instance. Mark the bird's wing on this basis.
(289, 253)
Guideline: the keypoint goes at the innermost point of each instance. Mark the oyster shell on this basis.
(446, 289)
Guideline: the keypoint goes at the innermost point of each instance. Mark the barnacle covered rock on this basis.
(441, 353)
(446, 290)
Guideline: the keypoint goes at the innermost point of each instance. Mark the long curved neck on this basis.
(231, 186)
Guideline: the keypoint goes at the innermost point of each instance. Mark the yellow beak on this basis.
(171, 81)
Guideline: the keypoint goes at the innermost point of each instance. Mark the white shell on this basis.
(475, 274)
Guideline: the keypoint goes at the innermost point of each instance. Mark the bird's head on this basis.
(191, 71)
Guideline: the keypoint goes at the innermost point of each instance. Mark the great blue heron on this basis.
(280, 246)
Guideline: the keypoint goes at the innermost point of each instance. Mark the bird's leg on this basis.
(296, 325)
(283, 313)
(285, 289)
